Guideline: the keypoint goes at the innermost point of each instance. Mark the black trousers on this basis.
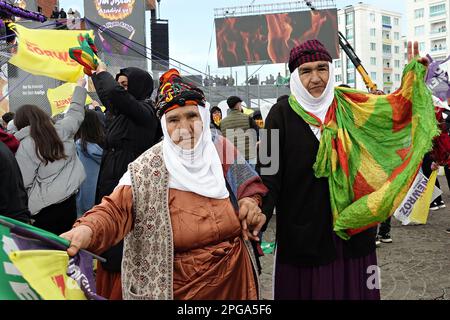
(426, 168)
(385, 227)
(57, 218)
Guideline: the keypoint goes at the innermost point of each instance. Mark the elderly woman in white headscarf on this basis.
(187, 208)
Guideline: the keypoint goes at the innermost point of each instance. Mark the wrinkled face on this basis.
(184, 126)
(314, 77)
(123, 81)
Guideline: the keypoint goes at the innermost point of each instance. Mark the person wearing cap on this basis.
(132, 128)
(241, 130)
(186, 209)
(315, 260)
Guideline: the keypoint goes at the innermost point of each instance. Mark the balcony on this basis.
(438, 33)
(388, 83)
(387, 26)
(387, 69)
(387, 41)
(437, 16)
(387, 55)
(439, 49)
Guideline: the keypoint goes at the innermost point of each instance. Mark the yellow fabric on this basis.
(247, 111)
(61, 97)
(45, 271)
(46, 53)
(421, 208)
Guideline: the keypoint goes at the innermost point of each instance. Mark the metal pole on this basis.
(246, 83)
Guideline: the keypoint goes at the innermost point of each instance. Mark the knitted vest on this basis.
(235, 121)
(148, 253)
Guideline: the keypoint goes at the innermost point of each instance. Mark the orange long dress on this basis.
(211, 260)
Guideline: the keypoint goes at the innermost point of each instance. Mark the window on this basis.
(397, 63)
(387, 48)
(397, 49)
(386, 20)
(419, 13)
(396, 21)
(373, 46)
(421, 47)
(337, 63)
(396, 36)
(373, 32)
(338, 78)
(349, 64)
(373, 61)
(437, 10)
(349, 33)
(349, 19)
(350, 76)
(372, 17)
(397, 77)
(373, 75)
(419, 31)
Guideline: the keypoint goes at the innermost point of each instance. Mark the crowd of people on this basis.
(253, 81)
(173, 194)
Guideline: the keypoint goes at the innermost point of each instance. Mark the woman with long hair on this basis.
(51, 170)
(89, 141)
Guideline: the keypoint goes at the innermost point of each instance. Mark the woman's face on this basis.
(217, 117)
(184, 126)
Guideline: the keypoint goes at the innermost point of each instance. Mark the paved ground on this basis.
(416, 266)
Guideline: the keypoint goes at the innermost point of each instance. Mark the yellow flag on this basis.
(421, 208)
(45, 271)
(46, 53)
(247, 111)
(61, 97)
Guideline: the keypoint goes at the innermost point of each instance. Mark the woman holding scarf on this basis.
(186, 209)
(346, 161)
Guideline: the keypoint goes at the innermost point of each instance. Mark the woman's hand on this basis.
(413, 53)
(79, 237)
(251, 218)
(101, 67)
(81, 82)
(434, 166)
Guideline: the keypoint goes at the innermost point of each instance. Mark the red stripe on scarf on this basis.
(401, 111)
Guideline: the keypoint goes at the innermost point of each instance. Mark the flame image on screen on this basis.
(114, 9)
(270, 38)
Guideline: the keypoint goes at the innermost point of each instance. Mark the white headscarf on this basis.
(198, 170)
(317, 106)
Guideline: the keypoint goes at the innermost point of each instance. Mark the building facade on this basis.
(375, 34)
(427, 23)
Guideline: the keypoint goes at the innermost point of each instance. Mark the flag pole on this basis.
(30, 233)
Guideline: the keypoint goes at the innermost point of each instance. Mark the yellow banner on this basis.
(45, 271)
(61, 97)
(46, 53)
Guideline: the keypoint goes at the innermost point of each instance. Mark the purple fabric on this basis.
(437, 79)
(308, 51)
(343, 279)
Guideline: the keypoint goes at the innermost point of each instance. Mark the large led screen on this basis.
(269, 38)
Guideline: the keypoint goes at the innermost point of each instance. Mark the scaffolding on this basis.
(273, 8)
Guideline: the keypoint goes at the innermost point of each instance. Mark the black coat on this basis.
(304, 218)
(13, 197)
(132, 125)
(132, 128)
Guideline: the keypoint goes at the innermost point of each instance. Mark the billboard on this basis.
(25, 4)
(121, 24)
(269, 38)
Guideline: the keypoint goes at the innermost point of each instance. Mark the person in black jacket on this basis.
(132, 128)
(311, 261)
(13, 197)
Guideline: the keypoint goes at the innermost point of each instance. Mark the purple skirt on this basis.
(343, 279)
